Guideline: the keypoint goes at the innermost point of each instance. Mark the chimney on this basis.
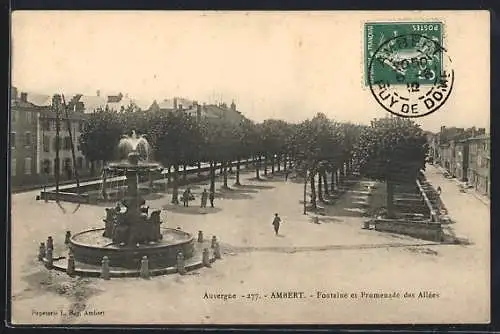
(442, 128)
(175, 103)
(233, 106)
(24, 97)
(13, 93)
(98, 93)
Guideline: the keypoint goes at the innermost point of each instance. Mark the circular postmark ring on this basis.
(402, 95)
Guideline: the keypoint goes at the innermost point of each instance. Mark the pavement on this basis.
(335, 257)
(482, 198)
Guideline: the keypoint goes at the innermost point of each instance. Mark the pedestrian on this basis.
(185, 198)
(276, 223)
(286, 175)
(212, 197)
(439, 190)
(204, 197)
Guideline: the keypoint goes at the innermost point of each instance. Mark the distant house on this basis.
(465, 153)
(90, 104)
(23, 140)
(200, 111)
(447, 156)
(114, 102)
(461, 160)
(478, 171)
(173, 104)
(33, 138)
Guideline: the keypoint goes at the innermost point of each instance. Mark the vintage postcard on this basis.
(210, 167)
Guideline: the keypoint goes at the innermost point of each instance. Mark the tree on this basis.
(246, 141)
(218, 145)
(392, 149)
(274, 134)
(315, 142)
(100, 136)
(175, 137)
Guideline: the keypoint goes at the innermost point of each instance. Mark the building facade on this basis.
(23, 139)
(48, 145)
(461, 160)
(199, 111)
(33, 131)
(478, 171)
(445, 156)
(33, 141)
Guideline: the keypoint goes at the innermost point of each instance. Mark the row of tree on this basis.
(391, 149)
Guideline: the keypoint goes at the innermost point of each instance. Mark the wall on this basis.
(48, 149)
(23, 124)
(479, 164)
(421, 230)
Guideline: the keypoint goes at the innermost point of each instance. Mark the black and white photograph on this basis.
(232, 167)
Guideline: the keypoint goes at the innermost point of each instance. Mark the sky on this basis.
(273, 65)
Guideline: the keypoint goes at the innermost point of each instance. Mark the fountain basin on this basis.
(90, 247)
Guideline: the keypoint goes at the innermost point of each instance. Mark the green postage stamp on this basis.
(406, 66)
(402, 52)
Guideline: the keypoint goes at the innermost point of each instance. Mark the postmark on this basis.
(410, 74)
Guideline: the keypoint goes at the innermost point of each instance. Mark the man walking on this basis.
(276, 223)
(204, 197)
(185, 197)
(212, 197)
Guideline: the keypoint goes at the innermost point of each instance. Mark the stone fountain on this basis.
(130, 231)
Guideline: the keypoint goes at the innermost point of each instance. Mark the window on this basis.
(67, 143)
(13, 116)
(56, 167)
(79, 162)
(13, 167)
(67, 165)
(46, 166)
(27, 166)
(46, 143)
(46, 125)
(13, 139)
(56, 143)
(27, 138)
(80, 126)
(28, 116)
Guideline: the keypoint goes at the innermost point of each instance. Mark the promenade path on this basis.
(333, 256)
